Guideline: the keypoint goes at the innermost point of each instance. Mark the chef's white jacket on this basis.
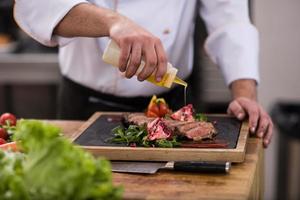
(232, 42)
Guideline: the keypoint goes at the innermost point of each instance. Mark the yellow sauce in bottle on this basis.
(111, 56)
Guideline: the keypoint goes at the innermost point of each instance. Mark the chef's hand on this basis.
(137, 43)
(244, 105)
(88, 20)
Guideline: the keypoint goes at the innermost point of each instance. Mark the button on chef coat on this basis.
(232, 42)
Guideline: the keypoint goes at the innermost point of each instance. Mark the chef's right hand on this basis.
(137, 43)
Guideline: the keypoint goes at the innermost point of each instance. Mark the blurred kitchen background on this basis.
(29, 76)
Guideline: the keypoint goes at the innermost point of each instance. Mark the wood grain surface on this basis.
(167, 154)
(245, 180)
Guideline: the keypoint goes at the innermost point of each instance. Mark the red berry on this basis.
(8, 118)
(3, 134)
(2, 141)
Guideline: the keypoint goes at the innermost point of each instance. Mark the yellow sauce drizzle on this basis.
(183, 83)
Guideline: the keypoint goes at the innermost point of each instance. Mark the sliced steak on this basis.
(184, 114)
(204, 130)
(191, 129)
(157, 129)
(187, 126)
(139, 119)
(173, 124)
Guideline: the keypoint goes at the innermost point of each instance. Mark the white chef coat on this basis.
(232, 42)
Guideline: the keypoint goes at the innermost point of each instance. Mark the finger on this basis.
(253, 113)
(151, 62)
(263, 125)
(162, 61)
(135, 60)
(125, 46)
(268, 135)
(236, 109)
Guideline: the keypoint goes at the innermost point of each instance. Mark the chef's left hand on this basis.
(244, 105)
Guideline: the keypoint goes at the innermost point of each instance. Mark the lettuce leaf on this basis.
(12, 185)
(54, 168)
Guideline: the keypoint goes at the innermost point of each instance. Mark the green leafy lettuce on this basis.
(52, 168)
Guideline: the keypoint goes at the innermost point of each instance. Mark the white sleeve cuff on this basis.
(234, 48)
(61, 41)
(39, 18)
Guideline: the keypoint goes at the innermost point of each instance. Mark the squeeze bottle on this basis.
(111, 56)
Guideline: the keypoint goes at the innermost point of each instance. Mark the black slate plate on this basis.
(99, 132)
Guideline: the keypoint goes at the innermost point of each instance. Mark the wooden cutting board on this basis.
(93, 136)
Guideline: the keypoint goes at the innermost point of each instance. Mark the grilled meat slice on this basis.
(203, 130)
(139, 119)
(184, 114)
(183, 127)
(191, 129)
(173, 124)
(157, 129)
(196, 130)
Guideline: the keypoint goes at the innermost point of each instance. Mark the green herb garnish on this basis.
(167, 143)
(201, 117)
(138, 135)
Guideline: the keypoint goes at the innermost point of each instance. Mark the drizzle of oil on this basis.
(184, 84)
(184, 95)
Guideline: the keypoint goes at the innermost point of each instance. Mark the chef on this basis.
(155, 31)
